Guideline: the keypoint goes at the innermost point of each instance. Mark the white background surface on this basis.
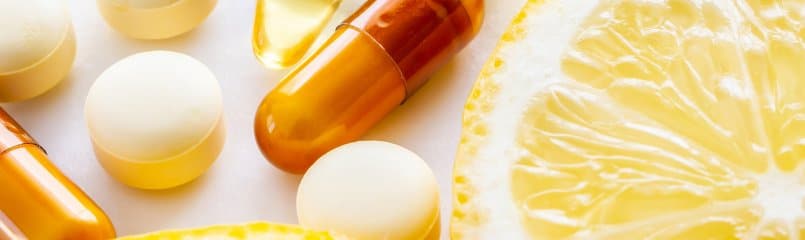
(241, 186)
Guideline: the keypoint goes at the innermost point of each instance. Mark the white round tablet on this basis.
(155, 119)
(37, 47)
(155, 19)
(370, 190)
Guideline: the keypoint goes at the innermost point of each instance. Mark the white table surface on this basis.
(241, 186)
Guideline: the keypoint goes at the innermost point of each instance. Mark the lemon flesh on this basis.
(255, 231)
(653, 119)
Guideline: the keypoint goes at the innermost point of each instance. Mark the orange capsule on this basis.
(370, 65)
(9, 231)
(39, 199)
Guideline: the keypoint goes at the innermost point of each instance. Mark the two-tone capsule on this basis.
(370, 65)
(37, 197)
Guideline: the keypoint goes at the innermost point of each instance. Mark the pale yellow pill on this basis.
(37, 47)
(155, 119)
(155, 19)
(370, 190)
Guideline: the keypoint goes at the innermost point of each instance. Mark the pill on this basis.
(37, 47)
(155, 19)
(370, 190)
(284, 30)
(155, 119)
(38, 200)
(372, 63)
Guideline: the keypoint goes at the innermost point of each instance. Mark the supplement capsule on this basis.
(370, 65)
(9, 231)
(39, 199)
(284, 30)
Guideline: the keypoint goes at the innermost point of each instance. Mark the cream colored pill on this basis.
(370, 190)
(37, 47)
(155, 19)
(156, 119)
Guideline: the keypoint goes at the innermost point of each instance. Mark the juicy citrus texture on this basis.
(650, 119)
(256, 231)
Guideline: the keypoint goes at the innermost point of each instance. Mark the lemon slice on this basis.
(638, 119)
(255, 231)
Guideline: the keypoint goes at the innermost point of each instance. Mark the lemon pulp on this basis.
(255, 230)
(664, 119)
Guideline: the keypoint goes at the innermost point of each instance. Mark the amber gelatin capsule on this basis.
(371, 64)
(39, 199)
(9, 231)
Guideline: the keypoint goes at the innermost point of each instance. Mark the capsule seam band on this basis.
(396, 65)
(9, 149)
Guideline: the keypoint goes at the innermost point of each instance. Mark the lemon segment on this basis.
(256, 231)
(638, 119)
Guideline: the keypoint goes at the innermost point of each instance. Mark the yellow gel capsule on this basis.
(284, 30)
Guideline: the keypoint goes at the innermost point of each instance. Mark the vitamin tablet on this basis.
(155, 19)
(155, 119)
(37, 47)
(370, 190)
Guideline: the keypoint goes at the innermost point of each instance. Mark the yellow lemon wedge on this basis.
(638, 119)
(253, 231)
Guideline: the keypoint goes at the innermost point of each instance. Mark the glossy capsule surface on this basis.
(38, 198)
(369, 66)
(284, 30)
(8, 230)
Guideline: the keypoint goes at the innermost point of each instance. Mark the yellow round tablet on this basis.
(155, 19)
(37, 47)
(156, 119)
(370, 190)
